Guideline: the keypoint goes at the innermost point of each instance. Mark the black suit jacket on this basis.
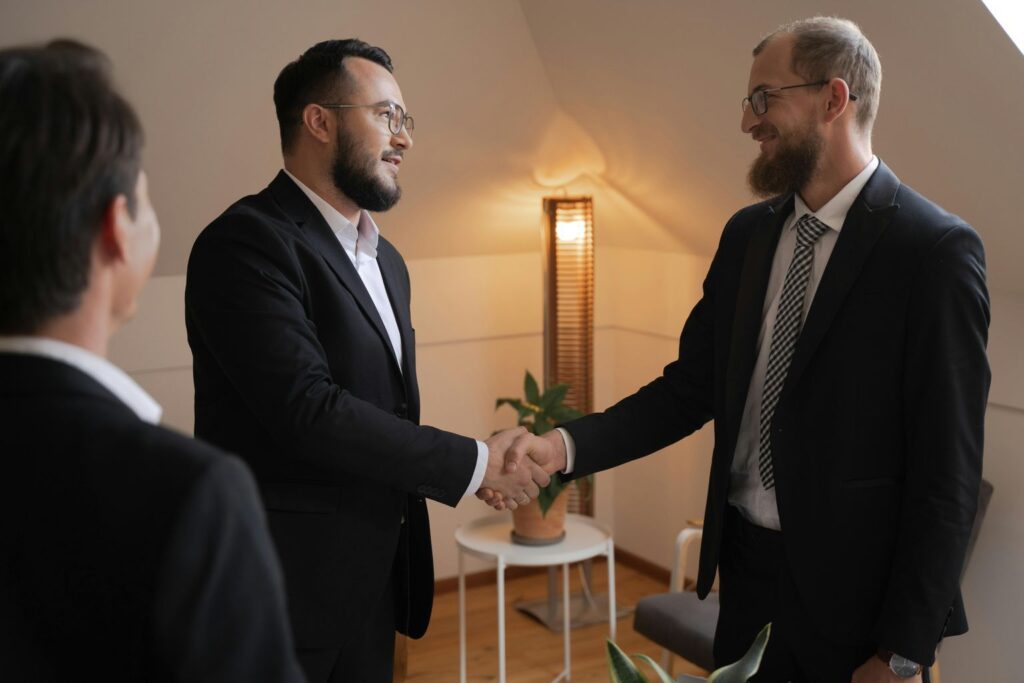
(295, 373)
(877, 436)
(129, 552)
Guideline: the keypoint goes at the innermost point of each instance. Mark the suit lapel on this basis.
(390, 270)
(757, 266)
(312, 223)
(868, 218)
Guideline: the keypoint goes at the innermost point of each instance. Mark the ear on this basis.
(114, 228)
(838, 99)
(314, 119)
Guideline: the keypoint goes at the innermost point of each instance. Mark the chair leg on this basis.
(667, 660)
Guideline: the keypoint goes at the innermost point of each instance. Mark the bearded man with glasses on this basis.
(839, 347)
(297, 312)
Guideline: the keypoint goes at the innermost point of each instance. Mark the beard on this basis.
(790, 168)
(353, 174)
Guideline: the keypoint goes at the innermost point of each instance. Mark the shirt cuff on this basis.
(482, 453)
(570, 451)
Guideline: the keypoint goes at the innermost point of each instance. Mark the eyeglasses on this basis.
(758, 101)
(397, 118)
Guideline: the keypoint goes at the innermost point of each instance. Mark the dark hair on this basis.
(318, 75)
(69, 145)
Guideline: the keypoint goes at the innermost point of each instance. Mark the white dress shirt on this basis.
(111, 377)
(360, 244)
(758, 505)
(746, 492)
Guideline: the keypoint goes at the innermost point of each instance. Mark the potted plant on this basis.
(542, 521)
(622, 669)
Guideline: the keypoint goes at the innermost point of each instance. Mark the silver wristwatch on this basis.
(899, 665)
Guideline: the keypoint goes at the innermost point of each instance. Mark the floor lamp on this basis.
(568, 237)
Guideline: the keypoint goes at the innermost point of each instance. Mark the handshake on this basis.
(518, 464)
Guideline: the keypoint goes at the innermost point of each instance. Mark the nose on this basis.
(403, 140)
(748, 120)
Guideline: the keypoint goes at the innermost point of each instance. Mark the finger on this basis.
(485, 494)
(540, 475)
(532, 490)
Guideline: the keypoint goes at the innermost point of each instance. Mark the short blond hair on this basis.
(831, 47)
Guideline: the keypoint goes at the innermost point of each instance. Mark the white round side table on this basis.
(489, 538)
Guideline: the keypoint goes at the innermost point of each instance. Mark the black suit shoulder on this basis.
(107, 519)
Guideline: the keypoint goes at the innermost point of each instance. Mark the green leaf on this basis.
(548, 493)
(542, 426)
(741, 671)
(561, 414)
(620, 668)
(662, 675)
(523, 409)
(554, 396)
(530, 389)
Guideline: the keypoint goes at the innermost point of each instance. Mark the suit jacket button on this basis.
(402, 410)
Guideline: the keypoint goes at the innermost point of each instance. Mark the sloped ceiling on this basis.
(657, 84)
(513, 97)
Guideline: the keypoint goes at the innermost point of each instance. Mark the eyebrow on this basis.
(760, 86)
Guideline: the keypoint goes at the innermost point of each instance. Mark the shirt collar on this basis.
(111, 377)
(357, 239)
(833, 214)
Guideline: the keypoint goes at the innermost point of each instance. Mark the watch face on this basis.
(903, 667)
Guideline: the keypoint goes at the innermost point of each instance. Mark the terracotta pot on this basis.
(529, 524)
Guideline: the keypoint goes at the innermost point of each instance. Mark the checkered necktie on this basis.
(785, 332)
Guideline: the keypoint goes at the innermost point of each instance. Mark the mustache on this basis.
(763, 129)
(393, 153)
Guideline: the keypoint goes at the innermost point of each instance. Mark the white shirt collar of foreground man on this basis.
(111, 377)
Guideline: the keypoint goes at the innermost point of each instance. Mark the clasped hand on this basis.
(518, 464)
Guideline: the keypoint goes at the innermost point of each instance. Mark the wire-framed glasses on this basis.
(396, 116)
(758, 100)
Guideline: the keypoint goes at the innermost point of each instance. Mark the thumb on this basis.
(513, 456)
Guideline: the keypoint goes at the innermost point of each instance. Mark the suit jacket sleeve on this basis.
(674, 405)
(220, 606)
(945, 391)
(247, 297)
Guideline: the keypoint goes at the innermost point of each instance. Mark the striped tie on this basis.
(785, 332)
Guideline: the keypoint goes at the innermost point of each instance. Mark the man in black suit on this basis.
(298, 317)
(129, 552)
(839, 347)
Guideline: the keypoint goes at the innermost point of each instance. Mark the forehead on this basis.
(774, 66)
(371, 82)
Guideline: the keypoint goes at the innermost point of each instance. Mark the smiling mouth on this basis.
(764, 140)
(393, 160)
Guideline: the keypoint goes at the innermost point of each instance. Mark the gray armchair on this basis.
(679, 621)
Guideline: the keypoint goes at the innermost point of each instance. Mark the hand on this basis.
(507, 486)
(546, 453)
(876, 671)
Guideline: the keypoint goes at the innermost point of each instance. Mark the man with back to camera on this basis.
(304, 359)
(839, 347)
(129, 552)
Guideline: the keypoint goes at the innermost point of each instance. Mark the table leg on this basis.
(611, 588)
(501, 619)
(462, 619)
(566, 625)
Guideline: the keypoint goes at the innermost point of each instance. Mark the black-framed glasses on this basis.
(397, 118)
(758, 100)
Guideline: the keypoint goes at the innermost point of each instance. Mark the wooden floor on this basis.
(534, 654)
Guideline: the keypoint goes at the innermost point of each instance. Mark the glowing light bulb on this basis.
(570, 231)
